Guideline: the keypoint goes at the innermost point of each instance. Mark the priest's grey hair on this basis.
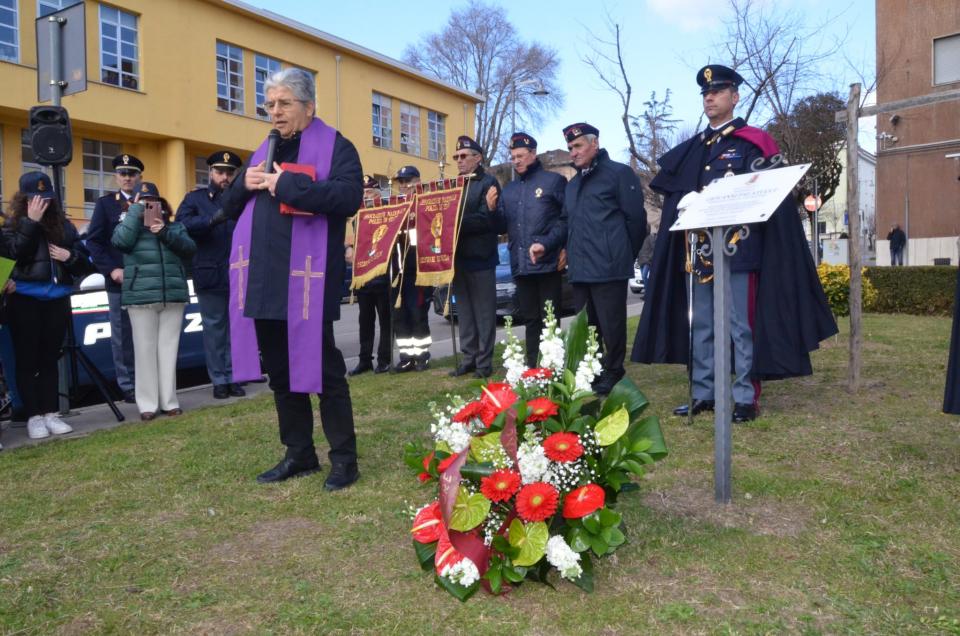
(297, 80)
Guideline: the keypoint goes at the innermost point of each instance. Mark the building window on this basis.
(382, 122)
(98, 173)
(9, 31)
(946, 59)
(437, 133)
(410, 129)
(229, 78)
(46, 7)
(201, 173)
(264, 67)
(118, 48)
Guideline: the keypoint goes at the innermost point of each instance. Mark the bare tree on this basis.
(479, 50)
(778, 55)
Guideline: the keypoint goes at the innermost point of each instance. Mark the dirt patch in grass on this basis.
(266, 539)
(86, 624)
(757, 516)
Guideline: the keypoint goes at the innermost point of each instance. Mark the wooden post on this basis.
(853, 215)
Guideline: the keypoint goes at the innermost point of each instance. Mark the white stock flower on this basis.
(464, 572)
(562, 557)
(551, 342)
(513, 359)
(590, 367)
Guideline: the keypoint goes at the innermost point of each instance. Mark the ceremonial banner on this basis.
(377, 231)
(437, 207)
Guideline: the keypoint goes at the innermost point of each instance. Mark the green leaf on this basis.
(615, 538)
(531, 538)
(476, 471)
(469, 511)
(592, 523)
(612, 427)
(577, 540)
(632, 466)
(479, 444)
(649, 428)
(598, 545)
(642, 445)
(585, 580)
(413, 455)
(458, 591)
(493, 575)
(514, 574)
(575, 342)
(425, 554)
(626, 394)
(609, 518)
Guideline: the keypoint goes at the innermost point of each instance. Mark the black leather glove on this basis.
(218, 217)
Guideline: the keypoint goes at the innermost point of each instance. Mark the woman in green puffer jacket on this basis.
(154, 294)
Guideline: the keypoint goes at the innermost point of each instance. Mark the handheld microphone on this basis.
(272, 140)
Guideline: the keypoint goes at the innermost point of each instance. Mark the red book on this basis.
(302, 169)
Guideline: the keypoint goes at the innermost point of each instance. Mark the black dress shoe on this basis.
(286, 469)
(402, 367)
(382, 367)
(744, 413)
(422, 365)
(236, 390)
(699, 406)
(341, 476)
(483, 373)
(463, 369)
(221, 391)
(130, 397)
(363, 367)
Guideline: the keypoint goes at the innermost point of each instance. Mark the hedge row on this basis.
(922, 291)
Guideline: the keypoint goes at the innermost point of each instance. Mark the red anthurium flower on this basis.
(468, 412)
(537, 374)
(446, 555)
(498, 397)
(563, 447)
(539, 409)
(537, 501)
(445, 463)
(427, 525)
(500, 485)
(582, 501)
(441, 466)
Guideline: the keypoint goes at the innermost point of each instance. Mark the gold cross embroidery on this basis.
(307, 274)
(240, 265)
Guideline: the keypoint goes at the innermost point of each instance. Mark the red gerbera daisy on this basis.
(563, 447)
(539, 373)
(498, 397)
(468, 412)
(427, 525)
(539, 409)
(537, 501)
(500, 485)
(582, 501)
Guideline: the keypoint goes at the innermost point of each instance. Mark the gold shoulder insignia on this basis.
(729, 129)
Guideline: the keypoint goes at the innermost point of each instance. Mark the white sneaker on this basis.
(37, 427)
(55, 425)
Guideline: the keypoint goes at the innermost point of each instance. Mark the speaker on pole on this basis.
(50, 136)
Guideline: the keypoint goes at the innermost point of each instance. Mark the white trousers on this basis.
(156, 341)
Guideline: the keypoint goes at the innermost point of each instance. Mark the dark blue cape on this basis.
(792, 313)
(951, 395)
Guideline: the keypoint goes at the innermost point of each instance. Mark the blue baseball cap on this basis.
(37, 184)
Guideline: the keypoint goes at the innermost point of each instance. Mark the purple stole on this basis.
(308, 264)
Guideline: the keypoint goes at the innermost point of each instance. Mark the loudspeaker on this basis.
(50, 136)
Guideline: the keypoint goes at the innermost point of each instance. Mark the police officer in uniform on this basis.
(412, 320)
(772, 272)
(109, 262)
(201, 214)
(373, 300)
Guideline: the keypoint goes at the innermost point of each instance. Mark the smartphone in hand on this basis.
(152, 213)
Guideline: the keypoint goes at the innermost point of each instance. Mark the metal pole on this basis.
(692, 238)
(816, 223)
(513, 122)
(723, 394)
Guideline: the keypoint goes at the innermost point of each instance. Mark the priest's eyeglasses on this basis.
(282, 104)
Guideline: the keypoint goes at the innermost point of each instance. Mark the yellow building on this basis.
(170, 81)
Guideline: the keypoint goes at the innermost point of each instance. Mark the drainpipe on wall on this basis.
(337, 58)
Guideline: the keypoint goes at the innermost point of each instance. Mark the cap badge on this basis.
(144, 188)
(226, 157)
(41, 186)
(576, 132)
(708, 74)
(126, 159)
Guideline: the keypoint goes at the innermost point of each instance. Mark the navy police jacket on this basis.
(106, 217)
(210, 262)
(533, 205)
(606, 221)
(479, 226)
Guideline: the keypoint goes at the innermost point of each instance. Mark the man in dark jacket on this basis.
(475, 263)
(109, 262)
(606, 223)
(898, 240)
(533, 206)
(197, 213)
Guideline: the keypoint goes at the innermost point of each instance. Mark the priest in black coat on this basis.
(264, 273)
(789, 313)
(951, 395)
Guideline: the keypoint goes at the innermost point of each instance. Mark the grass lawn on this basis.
(845, 520)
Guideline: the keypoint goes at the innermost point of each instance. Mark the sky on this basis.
(665, 43)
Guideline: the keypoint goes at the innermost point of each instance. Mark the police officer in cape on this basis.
(533, 205)
(109, 262)
(606, 224)
(201, 213)
(779, 311)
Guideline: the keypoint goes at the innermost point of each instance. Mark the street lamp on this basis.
(539, 91)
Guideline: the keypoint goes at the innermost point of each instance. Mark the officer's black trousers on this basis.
(606, 305)
(374, 306)
(294, 412)
(533, 291)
